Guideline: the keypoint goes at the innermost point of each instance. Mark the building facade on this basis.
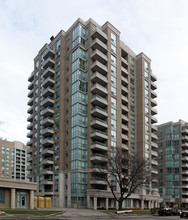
(89, 92)
(15, 189)
(173, 163)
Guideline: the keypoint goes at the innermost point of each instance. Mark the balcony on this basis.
(47, 172)
(47, 162)
(29, 143)
(124, 99)
(185, 179)
(124, 108)
(30, 134)
(184, 138)
(47, 111)
(124, 127)
(184, 151)
(184, 158)
(184, 165)
(97, 123)
(98, 89)
(30, 118)
(153, 103)
(99, 101)
(30, 150)
(124, 146)
(47, 182)
(153, 111)
(99, 146)
(30, 110)
(124, 61)
(99, 78)
(29, 167)
(48, 131)
(154, 153)
(125, 137)
(99, 112)
(48, 121)
(124, 118)
(153, 77)
(184, 145)
(99, 135)
(48, 63)
(124, 81)
(98, 44)
(48, 82)
(124, 90)
(98, 158)
(153, 86)
(124, 71)
(30, 126)
(47, 151)
(30, 102)
(99, 67)
(97, 33)
(97, 181)
(31, 78)
(153, 119)
(184, 172)
(30, 94)
(49, 91)
(48, 141)
(154, 171)
(184, 131)
(154, 136)
(98, 55)
(48, 101)
(153, 94)
(48, 53)
(31, 85)
(49, 72)
(153, 144)
(154, 128)
(154, 162)
(98, 169)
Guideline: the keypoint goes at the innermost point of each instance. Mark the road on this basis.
(95, 218)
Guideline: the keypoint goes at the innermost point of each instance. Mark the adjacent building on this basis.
(89, 92)
(15, 189)
(173, 163)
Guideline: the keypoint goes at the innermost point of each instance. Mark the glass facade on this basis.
(79, 117)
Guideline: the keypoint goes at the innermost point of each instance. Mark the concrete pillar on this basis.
(31, 199)
(117, 205)
(131, 203)
(149, 204)
(13, 196)
(142, 204)
(69, 191)
(61, 187)
(88, 202)
(95, 203)
(106, 204)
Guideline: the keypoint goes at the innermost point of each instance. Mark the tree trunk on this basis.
(120, 202)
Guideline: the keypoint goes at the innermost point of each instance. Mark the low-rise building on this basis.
(15, 189)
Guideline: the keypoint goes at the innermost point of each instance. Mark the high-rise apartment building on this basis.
(173, 163)
(89, 92)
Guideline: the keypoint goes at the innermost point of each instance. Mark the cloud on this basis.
(158, 28)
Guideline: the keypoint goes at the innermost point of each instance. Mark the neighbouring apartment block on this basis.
(173, 163)
(15, 189)
(89, 92)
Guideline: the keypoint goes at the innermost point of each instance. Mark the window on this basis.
(58, 44)
(66, 101)
(113, 60)
(132, 61)
(113, 38)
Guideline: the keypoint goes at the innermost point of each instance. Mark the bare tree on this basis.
(124, 174)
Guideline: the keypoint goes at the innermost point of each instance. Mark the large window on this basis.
(2, 196)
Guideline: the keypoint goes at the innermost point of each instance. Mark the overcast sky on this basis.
(159, 28)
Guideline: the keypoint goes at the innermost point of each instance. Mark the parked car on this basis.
(168, 211)
(184, 213)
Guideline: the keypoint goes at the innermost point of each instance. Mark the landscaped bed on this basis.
(30, 212)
